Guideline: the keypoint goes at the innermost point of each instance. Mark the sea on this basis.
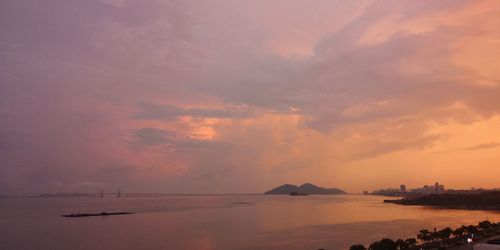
(219, 222)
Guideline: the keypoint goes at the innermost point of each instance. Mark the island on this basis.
(488, 200)
(95, 214)
(304, 189)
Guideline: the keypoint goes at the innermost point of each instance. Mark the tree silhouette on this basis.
(384, 244)
(402, 244)
(485, 225)
(357, 247)
(436, 237)
(424, 235)
(445, 233)
(459, 231)
(471, 229)
(411, 242)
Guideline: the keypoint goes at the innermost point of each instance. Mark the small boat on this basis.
(297, 194)
(243, 203)
(90, 215)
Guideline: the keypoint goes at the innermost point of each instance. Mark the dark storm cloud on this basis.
(159, 137)
(152, 136)
(152, 111)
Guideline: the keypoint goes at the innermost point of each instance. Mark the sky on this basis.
(226, 96)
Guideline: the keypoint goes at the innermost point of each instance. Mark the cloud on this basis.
(483, 146)
(152, 111)
(115, 3)
(143, 138)
(407, 72)
(388, 147)
(152, 137)
(210, 92)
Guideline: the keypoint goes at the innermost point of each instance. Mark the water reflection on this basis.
(254, 222)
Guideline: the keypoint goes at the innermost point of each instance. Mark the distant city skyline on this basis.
(424, 189)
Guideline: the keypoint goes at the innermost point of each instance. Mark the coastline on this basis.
(457, 207)
(488, 201)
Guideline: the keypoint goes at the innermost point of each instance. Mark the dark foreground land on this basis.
(482, 201)
(461, 238)
(90, 215)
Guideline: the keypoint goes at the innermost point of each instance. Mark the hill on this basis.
(306, 188)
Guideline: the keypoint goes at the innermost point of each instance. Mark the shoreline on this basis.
(456, 207)
(487, 201)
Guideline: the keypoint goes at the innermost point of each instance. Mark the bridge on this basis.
(120, 194)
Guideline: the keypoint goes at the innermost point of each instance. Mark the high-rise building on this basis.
(439, 189)
(402, 188)
(426, 189)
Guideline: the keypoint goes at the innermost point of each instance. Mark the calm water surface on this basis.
(270, 222)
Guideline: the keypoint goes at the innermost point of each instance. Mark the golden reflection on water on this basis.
(268, 222)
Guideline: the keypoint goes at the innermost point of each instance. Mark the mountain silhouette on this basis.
(306, 188)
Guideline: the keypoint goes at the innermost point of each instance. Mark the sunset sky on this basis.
(242, 96)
